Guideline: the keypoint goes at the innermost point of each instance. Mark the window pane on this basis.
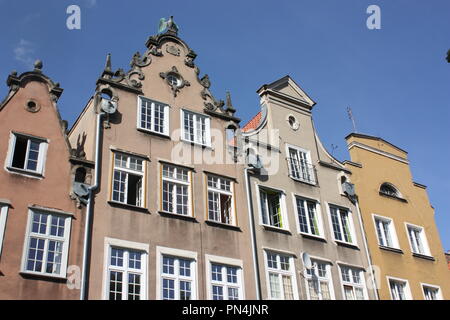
(233, 294)
(115, 285)
(213, 206)
(303, 222)
(188, 126)
(335, 222)
(33, 154)
(217, 292)
(134, 259)
(168, 289)
(119, 183)
(117, 257)
(274, 282)
(146, 114)
(134, 286)
(313, 287)
(57, 226)
(20, 152)
(54, 257)
(216, 272)
(287, 288)
(272, 260)
(159, 118)
(313, 218)
(39, 224)
(185, 290)
(185, 267)
(231, 274)
(168, 265)
(35, 254)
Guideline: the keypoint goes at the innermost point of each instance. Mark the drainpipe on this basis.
(366, 247)
(87, 228)
(252, 234)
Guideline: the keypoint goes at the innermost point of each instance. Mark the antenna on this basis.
(350, 116)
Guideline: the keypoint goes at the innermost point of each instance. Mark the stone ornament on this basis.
(174, 79)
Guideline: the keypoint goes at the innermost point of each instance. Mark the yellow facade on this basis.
(374, 162)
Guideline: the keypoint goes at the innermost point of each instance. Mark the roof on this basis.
(253, 123)
(360, 135)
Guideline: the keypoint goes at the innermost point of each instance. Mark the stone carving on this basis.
(190, 57)
(180, 83)
(139, 61)
(172, 49)
(79, 150)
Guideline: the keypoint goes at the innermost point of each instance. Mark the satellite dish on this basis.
(254, 161)
(349, 188)
(306, 260)
(108, 106)
(80, 189)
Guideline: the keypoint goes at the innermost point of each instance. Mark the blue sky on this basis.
(395, 79)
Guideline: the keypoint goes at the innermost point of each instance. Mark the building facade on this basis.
(169, 216)
(309, 239)
(41, 218)
(399, 221)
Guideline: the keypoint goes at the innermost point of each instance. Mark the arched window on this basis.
(389, 190)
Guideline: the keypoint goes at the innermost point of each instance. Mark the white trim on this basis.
(3, 218)
(179, 253)
(307, 277)
(423, 238)
(125, 244)
(432, 286)
(284, 212)
(166, 124)
(291, 273)
(65, 239)
(209, 259)
(362, 278)
(352, 225)
(407, 289)
(50, 210)
(374, 150)
(321, 234)
(194, 119)
(392, 231)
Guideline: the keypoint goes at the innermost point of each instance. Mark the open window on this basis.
(272, 208)
(27, 153)
(220, 200)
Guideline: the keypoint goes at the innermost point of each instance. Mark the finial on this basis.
(108, 62)
(229, 104)
(38, 65)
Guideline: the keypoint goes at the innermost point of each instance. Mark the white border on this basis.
(224, 261)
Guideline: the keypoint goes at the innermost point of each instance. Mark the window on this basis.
(176, 190)
(3, 217)
(173, 80)
(399, 289)
(47, 244)
(431, 292)
(196, 128)
(308, 216)
(177, 278)
(281, 276)
(153, 116)
(225, 282)
(342, 224)
(128, 179)
(271, 204)
(389, 190)
(220, 200)
(126, 274)
(417, 240)
(300, 167)
(353, 283)
(318, 281)
(27, 153)
(385, 232)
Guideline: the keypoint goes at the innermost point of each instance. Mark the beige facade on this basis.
(41, 226)
(179, 234)
(299, 205)
(399, 221)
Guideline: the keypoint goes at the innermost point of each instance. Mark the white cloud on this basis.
(24, 52)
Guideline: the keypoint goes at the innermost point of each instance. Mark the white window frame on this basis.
(391, 229)
(176, 181)
(224, 262)
(129, 171)
(125, 245)
(328, 279)
(221, 191)
(47, 237)
(176, 253)
(433, 287)
(207, 128)
(351, 224)
(309, 166)
(4, 207)
(423, 239)
(352, 284)
(153, 103)
(42, 155)
(280, 273)
(284, 216)
(406, 288)
(321, 234)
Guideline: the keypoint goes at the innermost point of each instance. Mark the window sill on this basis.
(43, 276)
(276, 229)
(346, 244)
(27, 173)
(222, 225)
(423, 256)
(303, 181)
(396, 250)
(177, 216)
(127, 206)
(392, 197)
(313, 237)
(196, 144)
(158, 134)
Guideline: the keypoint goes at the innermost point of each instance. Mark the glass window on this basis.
(398, 289)
(308, 216)
(271, 207)
(47, 244)
(126, 274)
(225, 282)
(176, 190)
(280, 271)
(342, 224)
(27, 153)
(353, 283)
(127, 181)
(154, 116)
(196, 128)
(417, 240)
(385, 232)
(431, 293)
(177, 276)
(300, 166)
(318, 281)
(220, 200)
